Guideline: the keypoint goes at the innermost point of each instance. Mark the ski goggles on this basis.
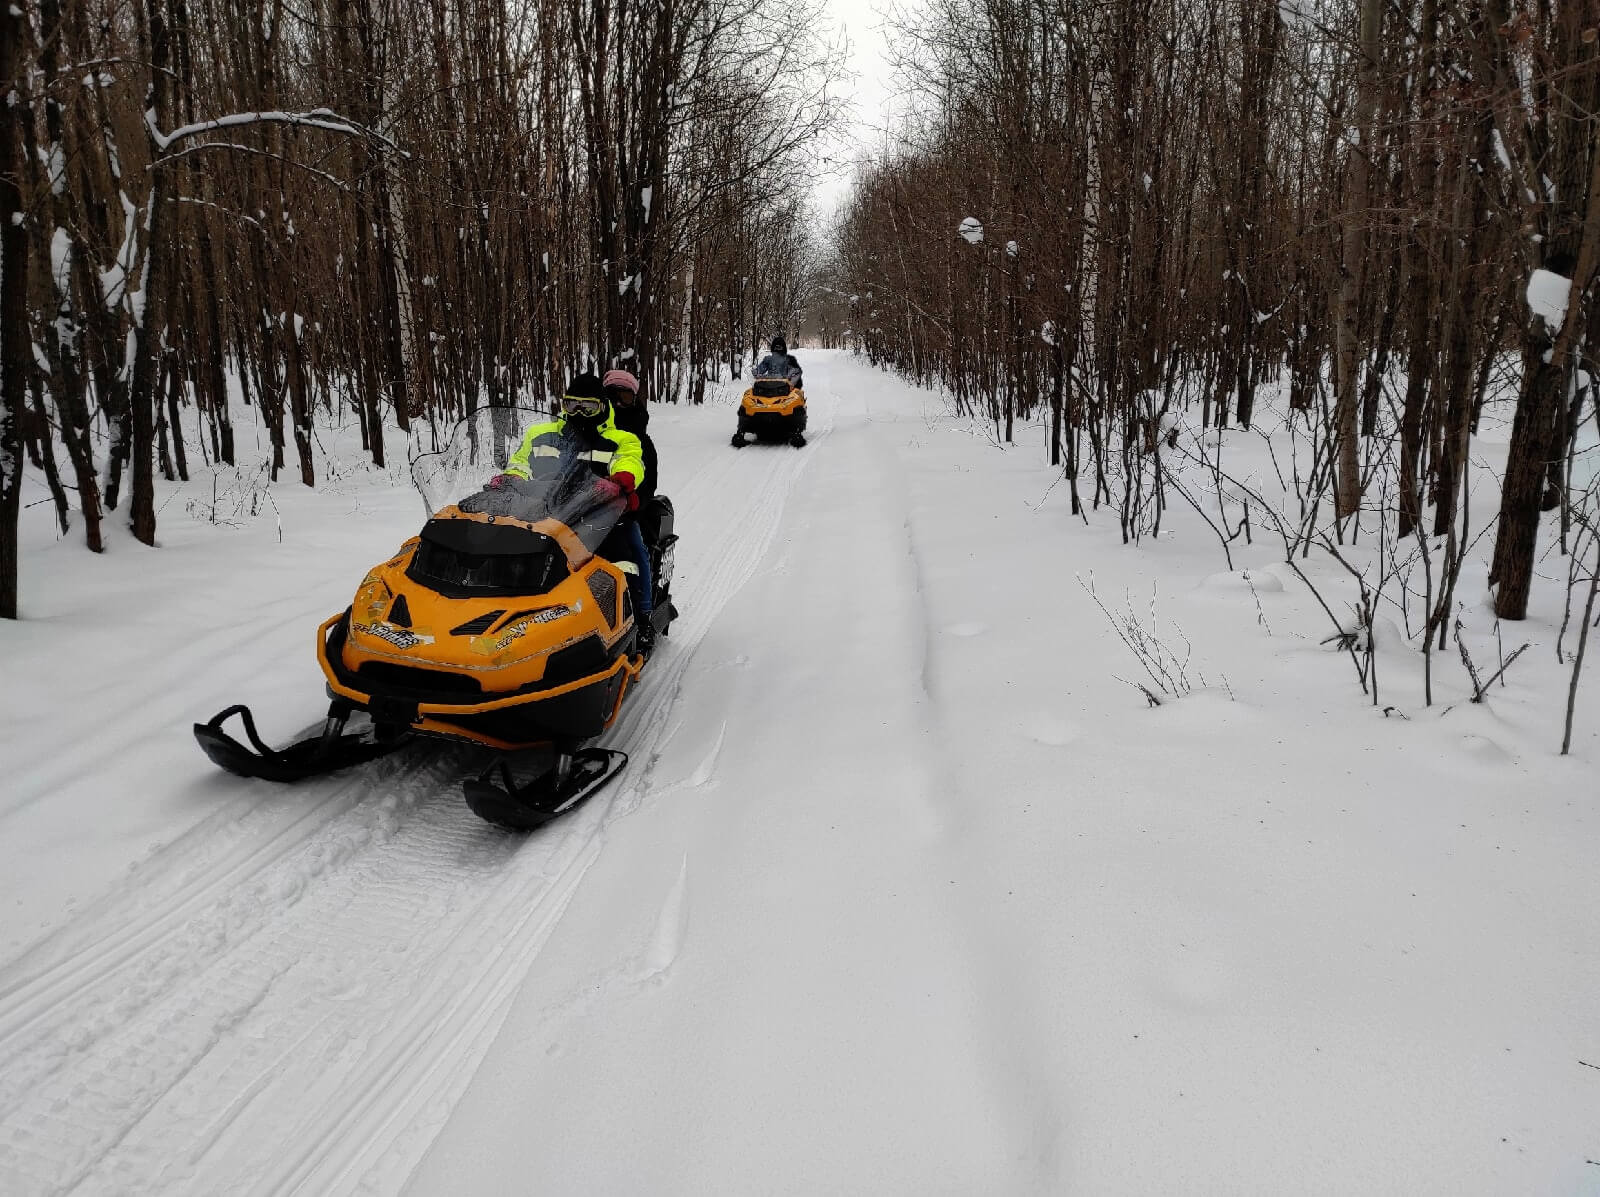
(582, 406)
(620, 396)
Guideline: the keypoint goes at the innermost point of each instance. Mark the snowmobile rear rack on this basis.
(573, 778)
(325, 752)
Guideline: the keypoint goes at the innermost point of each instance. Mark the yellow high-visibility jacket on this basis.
(608, 448)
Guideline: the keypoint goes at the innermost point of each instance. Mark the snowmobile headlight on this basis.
(373, 596)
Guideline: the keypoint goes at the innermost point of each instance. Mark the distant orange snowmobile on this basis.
(773, 409)
(506, 622)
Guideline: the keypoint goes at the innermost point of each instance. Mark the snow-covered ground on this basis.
(903, 891)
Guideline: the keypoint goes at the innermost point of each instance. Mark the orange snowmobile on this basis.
(773, 409)
(506, 622)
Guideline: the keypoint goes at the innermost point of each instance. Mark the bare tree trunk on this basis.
(1535, 432)
(299, 401)
(155, 287)
(1583, 644)
(216, 368)
(164, 375)
(1351, 269)
(1455, 379)
(42, 448)
(14, 362)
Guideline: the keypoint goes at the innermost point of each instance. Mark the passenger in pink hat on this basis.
(631, 415)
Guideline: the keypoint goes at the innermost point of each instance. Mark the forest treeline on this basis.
(1127, 214)
(396, 207)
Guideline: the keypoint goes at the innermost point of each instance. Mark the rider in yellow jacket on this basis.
(617, 458)
(615, 454)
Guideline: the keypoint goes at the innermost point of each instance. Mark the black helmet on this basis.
(779, 345)
(584, 401)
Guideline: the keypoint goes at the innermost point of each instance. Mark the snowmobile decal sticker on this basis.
(489, 645)
(399, 637)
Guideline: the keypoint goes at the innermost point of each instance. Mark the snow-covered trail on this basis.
(778, 987)
(287, 995)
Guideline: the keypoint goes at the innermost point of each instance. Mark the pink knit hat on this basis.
(620, 378)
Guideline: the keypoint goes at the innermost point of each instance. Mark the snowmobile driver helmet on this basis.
(779, 345)
(584, 401)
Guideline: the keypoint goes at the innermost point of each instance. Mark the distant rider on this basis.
(616, 455)
(779, 363)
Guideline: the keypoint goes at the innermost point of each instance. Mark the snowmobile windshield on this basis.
(564, 484)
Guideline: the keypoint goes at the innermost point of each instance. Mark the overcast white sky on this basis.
(862, 20)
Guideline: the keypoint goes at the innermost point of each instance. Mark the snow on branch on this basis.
(1548, 296)
(245, 149)
(317, 118)
(184, 199)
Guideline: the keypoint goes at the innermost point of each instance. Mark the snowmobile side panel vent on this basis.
(400, 613)
(604, 588)
(478, 626)
(575, 661)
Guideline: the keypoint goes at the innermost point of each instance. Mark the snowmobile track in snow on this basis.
(292, 995)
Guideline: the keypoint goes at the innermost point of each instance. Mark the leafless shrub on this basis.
(1167, 669)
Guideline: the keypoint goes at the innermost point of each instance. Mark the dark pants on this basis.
(640, 584)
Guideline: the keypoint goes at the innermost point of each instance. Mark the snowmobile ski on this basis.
(573, 778)
(325, 752)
